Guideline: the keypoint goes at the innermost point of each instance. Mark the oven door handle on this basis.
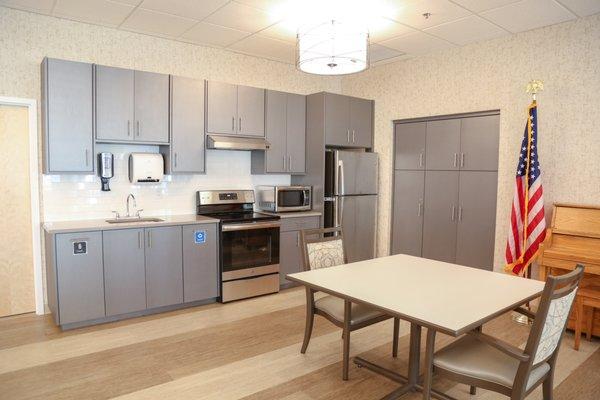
(249, 226)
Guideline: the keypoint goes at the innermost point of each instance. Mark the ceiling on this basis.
(253, 27)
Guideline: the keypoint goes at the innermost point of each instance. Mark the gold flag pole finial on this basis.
(534, 87)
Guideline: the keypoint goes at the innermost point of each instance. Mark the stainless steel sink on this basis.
(127, 220)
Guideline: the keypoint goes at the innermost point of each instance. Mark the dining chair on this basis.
(481, 360)
(324, 248)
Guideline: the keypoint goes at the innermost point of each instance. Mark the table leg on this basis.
(414, 354)
(429, 349)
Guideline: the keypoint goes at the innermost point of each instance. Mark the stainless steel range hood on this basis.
(221, 142)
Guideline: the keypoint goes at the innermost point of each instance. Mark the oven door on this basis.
(293, 198)
(249, 249)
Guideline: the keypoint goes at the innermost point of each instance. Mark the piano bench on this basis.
(586, 297)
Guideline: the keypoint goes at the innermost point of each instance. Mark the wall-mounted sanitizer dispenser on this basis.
(106, 169)
(146, 167)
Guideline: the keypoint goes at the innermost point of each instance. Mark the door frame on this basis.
(34, 195)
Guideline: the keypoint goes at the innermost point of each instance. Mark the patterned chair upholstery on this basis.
(325, 254)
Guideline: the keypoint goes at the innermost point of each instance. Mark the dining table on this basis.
(444, 298)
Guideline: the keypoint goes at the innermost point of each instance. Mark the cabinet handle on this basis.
(289, 163)
(421, 160)
(128, 128)
(138, 128)
(87, 157)
(455, 160)
(352, 135)
(283, 162)
(139, 239)
(453, 212)
(175, 160)
(420, 209)
(232, 124)
(460, 213)
(297, 239)
(240, 125)
(348, 135)
(149, 239)
(462, 160)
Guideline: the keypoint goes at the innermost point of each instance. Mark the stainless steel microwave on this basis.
(284, 198)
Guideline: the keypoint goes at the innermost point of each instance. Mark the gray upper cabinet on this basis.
(361, 122)
(200, 262)
(68, 123)
(348, 121)
(164, 266)
(476, 219)
(407, 231)
(441, 209)
(443, 144)
(80, 279)
(131, 105)
(234, 109)
(151, 107)
(410, 145)
(114, 103)
(276, 128)
(479, 143)
(124, 271)
(296, 133)
(186, 154)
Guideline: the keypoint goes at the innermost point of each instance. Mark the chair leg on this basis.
(578, 322)
(346, 350)
(473, 390)
(429, 348)
(395, 339)
(548, 386)
(310, 318)
(590, 324)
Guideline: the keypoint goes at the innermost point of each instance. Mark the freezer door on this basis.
(358, 218)
(356, 173)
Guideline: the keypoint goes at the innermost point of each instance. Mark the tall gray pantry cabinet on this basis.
(445, 182)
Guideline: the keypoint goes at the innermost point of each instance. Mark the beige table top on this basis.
(451, 298)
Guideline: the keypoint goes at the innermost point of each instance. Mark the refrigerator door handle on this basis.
(340, 214)
(340, 178)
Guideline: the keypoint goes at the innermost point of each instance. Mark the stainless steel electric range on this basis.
(249, 245)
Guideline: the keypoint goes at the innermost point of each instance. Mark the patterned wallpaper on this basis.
(26, 38)
(493, 75)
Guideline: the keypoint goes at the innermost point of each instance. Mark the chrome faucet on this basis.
(132, 197)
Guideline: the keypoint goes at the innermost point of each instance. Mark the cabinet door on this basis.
(479, 143)
(68, 110)
(337, 115)
(80, 278)
(164, 266)
(187, 125)
(477, 219)
(361, 122)
(296, 133)
(151, 107)
(276, 156)
(124, 272)
(441, 208)
(221, 107)
(407, 226)
(251, 111)
(290, 255)
(410, 145)
(443, 144)
(200, 262)
(114, 103)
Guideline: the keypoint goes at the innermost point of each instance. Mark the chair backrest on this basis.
(322, 248)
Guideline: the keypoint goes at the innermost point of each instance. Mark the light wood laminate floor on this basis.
(243, 350)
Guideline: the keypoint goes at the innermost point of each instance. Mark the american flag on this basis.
(527, 221)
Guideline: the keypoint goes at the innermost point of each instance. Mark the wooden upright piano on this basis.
(574, 238)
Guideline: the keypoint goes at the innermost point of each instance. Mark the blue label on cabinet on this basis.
(200, 237)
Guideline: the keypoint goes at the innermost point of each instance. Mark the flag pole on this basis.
(533, 88)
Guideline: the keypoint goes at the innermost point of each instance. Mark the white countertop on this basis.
(102, 225)
(294, 214)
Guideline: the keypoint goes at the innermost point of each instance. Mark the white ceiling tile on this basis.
(582, 7)
(383, 28)
(214, 35)
(130, 2)
(102, 12)
(282, 30)
(417, 43)
(482, 5)
(391, 60)
(266, 5)
(242, 17)
(156, 23)
(41, 6)
(411, 13)
(378, 53)
(265, 47)
(467, 30)
(185, 8)
(528, 14)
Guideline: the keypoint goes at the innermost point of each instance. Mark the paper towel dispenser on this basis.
(146, 167)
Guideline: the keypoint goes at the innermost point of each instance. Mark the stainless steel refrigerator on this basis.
(351, 199)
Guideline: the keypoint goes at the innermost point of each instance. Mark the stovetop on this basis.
(241, 217)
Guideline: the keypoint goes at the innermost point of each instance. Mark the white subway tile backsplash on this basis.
(74, 197)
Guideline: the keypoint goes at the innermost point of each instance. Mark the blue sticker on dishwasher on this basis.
(200, 237)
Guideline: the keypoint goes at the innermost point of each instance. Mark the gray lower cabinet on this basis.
(441, 208)
(68, 122)
(443, 144)
(476, 230)
(348, 121)
(200, 262)
(164, 266)
(124, 271)
(409, 145)
(290, 248)
(407, 233)
(79, 277)
(186, 153)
